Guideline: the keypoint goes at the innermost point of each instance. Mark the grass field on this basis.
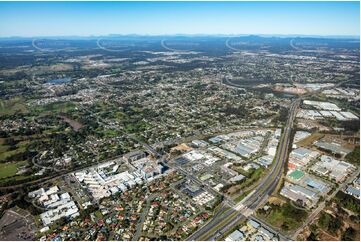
(12, 106)
(10, 169)
(109, 133)
(253, 179)
(5, 152)
(56, 107)
(285, 216)
(3, 148)
(241, 197)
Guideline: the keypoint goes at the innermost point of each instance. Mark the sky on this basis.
(31, 19)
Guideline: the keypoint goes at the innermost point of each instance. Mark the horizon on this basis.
(87, 19)
(114, 35)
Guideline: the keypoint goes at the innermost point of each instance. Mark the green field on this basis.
(12, 106)
(108, 133)
(56, 107)
(286, 217)
(241, 197)
(10, 169)
(6, 151)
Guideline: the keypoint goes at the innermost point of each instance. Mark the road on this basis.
(248, 205)
(144, 213)
(269, 183)
(270, 228)
(322, 205)
(221, 215)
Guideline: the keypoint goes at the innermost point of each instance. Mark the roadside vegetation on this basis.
(340, 220)
(283, 216)
(354, 156)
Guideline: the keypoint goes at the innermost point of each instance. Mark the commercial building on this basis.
(267, 234)
(299, 194)
(134, 155)
(203, 198)
(353, 191)
(253, 224)
(332, 147)
(56, 203)
(237, 178)
(265, 160)
(225, 154)
(322, 105)
(67, 209)
(200, 143)
(105, 179)
(216, 140)
(235, 236)
(300, 157)
(333, 168)
(300, 135)
(248, 147)
(317, 185)
(296, 175)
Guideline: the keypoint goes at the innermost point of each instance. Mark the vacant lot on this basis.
(310, 139)
(285, 217)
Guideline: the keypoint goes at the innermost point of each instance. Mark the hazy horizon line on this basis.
(180, 35)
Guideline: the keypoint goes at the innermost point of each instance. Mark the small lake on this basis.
(59, 81)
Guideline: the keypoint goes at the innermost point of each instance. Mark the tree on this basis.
(312, 237)
(349, 234)
(354, 156)
(334, 225)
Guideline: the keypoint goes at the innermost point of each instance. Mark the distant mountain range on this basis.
(135, 36)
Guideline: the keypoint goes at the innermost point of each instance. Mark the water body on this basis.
(59, 81)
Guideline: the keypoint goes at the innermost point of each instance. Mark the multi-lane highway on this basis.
(221, 224)
(224, 222)
(268, 185)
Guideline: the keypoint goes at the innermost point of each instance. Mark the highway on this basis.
(223, 215)
(270, 182)
(215, 228)
(221, 224)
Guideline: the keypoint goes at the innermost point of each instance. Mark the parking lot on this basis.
(17, 224)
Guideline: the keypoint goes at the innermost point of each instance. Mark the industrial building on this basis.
(300, 194)
(265, 161)
(300, 157)
(335, 169)
(353, 191)
(235, 236)
(332, 147)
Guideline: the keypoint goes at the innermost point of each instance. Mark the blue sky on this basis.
(102, 18)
